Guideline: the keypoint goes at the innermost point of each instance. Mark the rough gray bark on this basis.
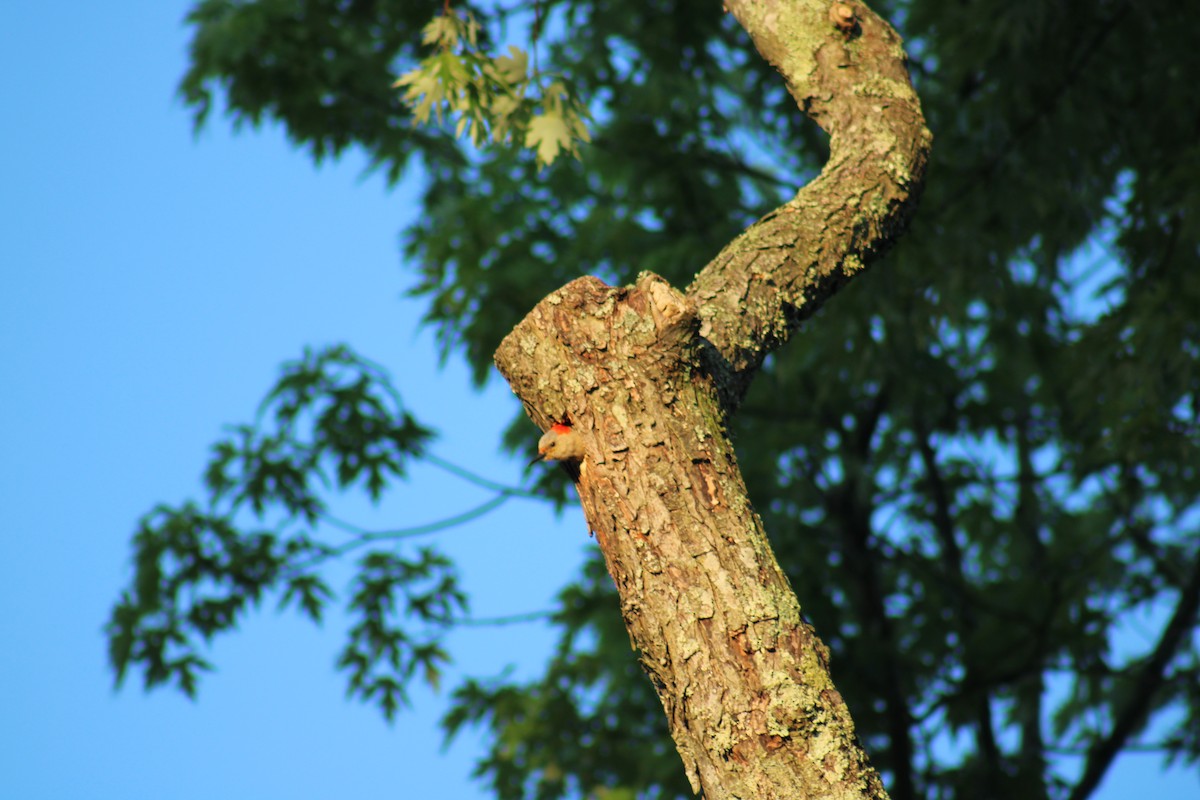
(648, 375)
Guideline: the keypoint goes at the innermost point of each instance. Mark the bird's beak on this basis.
(536, 459)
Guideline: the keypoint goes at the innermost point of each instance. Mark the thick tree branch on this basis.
(854, 83)
(744, 681)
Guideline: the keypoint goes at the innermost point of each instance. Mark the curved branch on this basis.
(1138, 703)
(851, 79)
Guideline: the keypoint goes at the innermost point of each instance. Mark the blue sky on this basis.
(152, 283)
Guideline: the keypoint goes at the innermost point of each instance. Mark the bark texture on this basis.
(853, 82)
(648, 375)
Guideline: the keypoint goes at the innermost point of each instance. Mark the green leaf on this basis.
(513, 68)
(548, 134)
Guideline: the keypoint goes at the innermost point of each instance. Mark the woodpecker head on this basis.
(560, 443)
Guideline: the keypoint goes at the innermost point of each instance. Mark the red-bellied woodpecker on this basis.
(560, 443)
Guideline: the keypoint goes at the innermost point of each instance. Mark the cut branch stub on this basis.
(576, 339)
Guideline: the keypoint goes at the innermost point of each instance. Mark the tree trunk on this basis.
(648, 375)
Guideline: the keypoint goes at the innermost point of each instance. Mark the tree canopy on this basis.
(978, 464)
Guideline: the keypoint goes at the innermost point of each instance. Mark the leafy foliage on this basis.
(979, 463)
(382, 657)
(195, 574)
(322, 67)
(491, 95)
(618, 743)
(358, 431)
(332, 419)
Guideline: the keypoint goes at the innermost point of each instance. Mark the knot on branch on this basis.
(843, 18)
